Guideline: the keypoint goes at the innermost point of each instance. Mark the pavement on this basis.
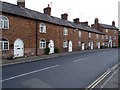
(111, 82)
(6, 62)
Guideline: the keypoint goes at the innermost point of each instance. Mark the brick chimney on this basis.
(76, 20)
(47, 10)
(84, 23)
(64, 16)
(21, 3)
(96, 21)
(113, 23)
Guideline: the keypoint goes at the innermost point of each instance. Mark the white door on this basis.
(91, 45)
(70, 46)
(83, 46)
(18, 48)
(98, 45)
(51, 46)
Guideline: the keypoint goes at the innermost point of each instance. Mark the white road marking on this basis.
(108, 79)
(81, 59)
(14, 77)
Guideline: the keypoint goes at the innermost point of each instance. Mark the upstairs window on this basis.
(65, 44)
(114, 37)
(42, 28)
(110, 37)
(97, 36)
(106, 36)
(89, 35)
(79, 34)
(115, 31)
(4, 22)
(42, 44)
(102, 37)
(65, 31)
(4, 44)
(106, 30)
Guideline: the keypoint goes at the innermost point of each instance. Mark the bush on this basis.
(56, 50)
(46, 50)
(103, 47)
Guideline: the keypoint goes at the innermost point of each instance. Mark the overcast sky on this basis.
(86, 10)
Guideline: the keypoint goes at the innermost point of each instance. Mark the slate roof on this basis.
(17, 10)
(109, 26)
(24, 12)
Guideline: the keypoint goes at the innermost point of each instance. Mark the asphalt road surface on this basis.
(71, 71)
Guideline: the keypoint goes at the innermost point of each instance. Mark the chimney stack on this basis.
(64, 16)
(76, 20)
(47, 10)
(96, 20)
(21, 3)
(84, 23)
(113, 23)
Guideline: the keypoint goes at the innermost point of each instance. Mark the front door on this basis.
(51, 46)
(98, 45)
(91, 45)
(83, 46)
(18, 48)
(70, 46)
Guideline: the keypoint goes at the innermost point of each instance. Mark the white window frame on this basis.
(97, 36)
(89, 35)
(114, 37)
(42, 44)
(106, 36)
(2, 22)
(106, 30)
(65, 31)
(42, 28)
(65, 44)
(115, 31)
(102, 37)
(2, 43)
(79, 34)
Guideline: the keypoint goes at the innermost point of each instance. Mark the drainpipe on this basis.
(36, 36)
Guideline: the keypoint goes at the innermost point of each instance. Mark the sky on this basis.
(87, 10)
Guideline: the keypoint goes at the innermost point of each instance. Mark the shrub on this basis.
(56, 50)
(46, 50)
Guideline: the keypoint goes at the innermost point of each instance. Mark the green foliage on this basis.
(56, 50)
(46, 50)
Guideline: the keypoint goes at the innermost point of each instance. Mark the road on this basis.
(71, 71)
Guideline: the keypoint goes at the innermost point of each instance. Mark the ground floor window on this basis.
(65, 44)
(42, 44)
(4, 44)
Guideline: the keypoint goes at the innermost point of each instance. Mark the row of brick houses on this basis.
(26, 32)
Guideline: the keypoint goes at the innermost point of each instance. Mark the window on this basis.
(106, 36)
(106, 30)
(42, 44)
(4, 22)
(65, 44)
(114, 44)
(110, 37)
(65, 32)
(114, 37)
(89, 35)
(4, 44)
(97, 36)
(114, 31)
(42, 28)
(79, 34)
(102, 37)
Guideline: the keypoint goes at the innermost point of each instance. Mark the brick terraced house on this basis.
(26, 32)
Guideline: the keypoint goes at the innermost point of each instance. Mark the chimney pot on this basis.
(96, 20)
